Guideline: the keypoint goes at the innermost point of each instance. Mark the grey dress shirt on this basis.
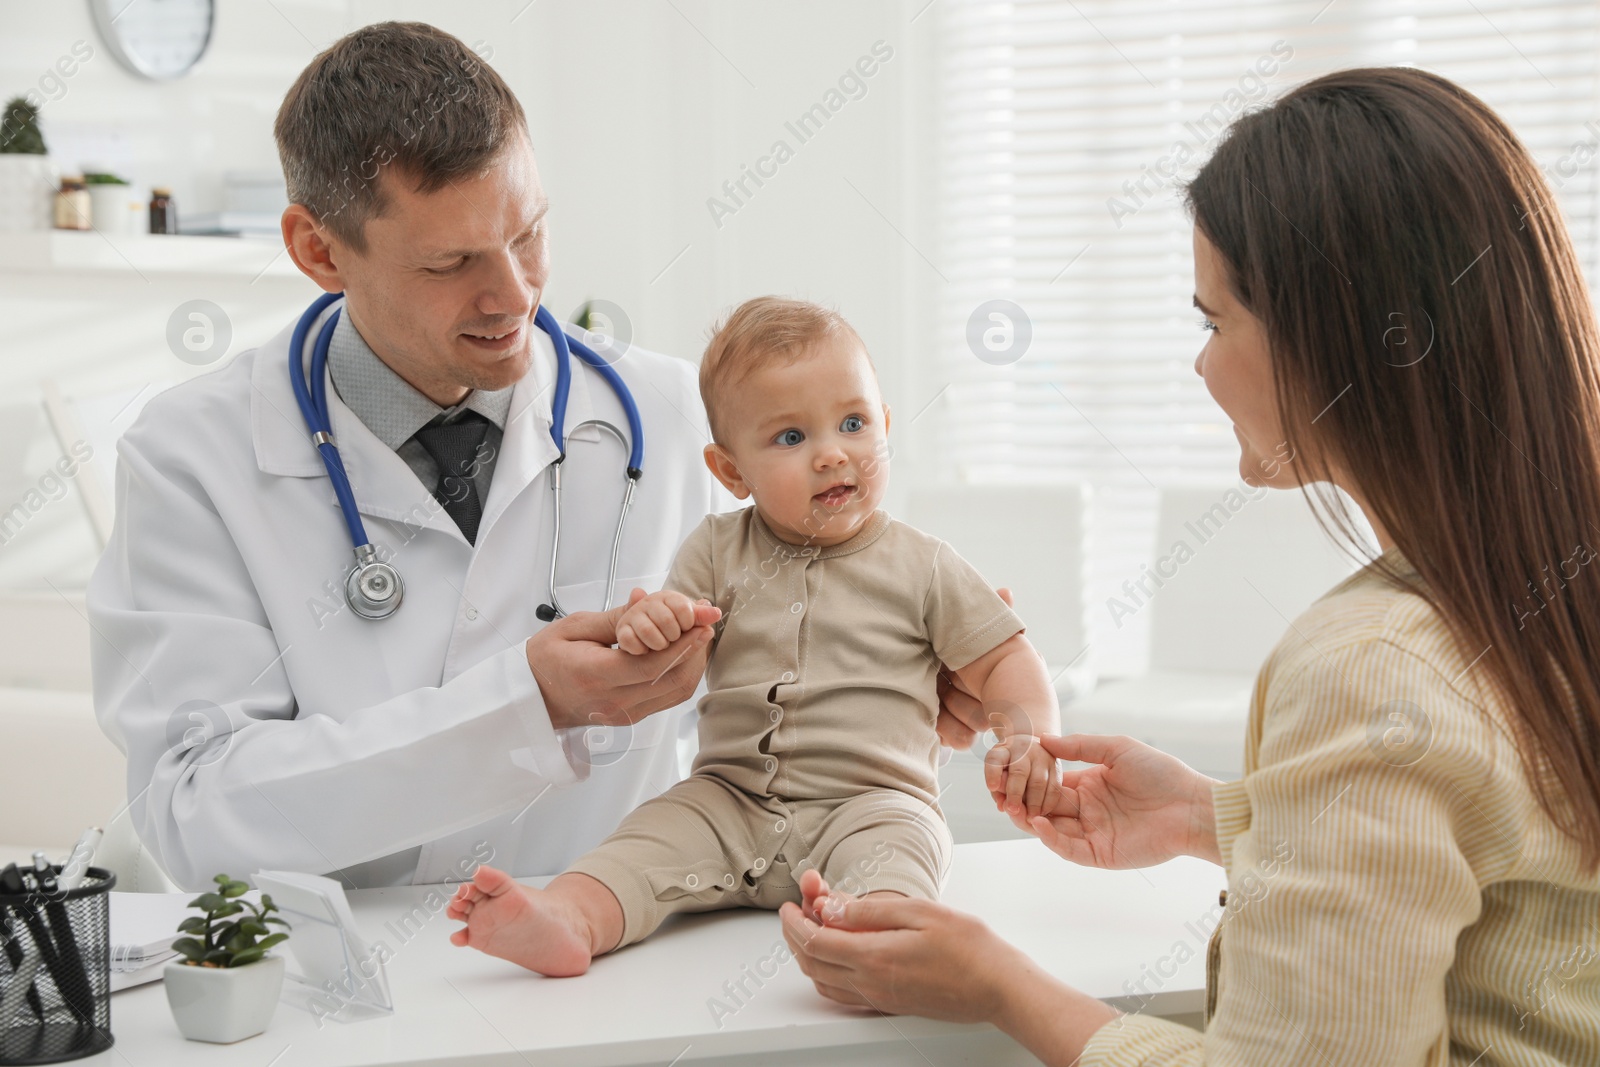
(394, 410)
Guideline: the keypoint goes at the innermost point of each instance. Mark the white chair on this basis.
(1028, 538)
(61, 772)
(98, 419)
(61, 775)
(1232, 569)
(1031, 539)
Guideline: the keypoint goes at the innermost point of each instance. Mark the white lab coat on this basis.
(266, 725)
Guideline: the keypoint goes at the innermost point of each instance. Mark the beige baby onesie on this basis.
(817, 742)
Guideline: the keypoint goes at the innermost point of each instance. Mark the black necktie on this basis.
(454, 447)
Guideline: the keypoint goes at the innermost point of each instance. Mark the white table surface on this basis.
(1100, 931)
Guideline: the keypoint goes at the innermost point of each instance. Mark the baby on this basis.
(817, 740)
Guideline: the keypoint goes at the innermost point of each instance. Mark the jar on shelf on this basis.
(72, 204)
(163, 211)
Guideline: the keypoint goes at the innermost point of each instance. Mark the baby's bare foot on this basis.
(536, 928)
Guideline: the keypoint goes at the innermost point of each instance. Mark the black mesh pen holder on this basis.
(55, 971)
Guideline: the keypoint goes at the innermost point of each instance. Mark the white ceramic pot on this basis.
(116, 209)
(27, 192)
(223, 1004)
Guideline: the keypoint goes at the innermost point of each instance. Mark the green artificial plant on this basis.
(19, 129)
(219, 940)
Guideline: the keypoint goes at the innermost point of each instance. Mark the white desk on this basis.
(650, 1004)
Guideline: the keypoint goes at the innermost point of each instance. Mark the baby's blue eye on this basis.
(790, 437)
(853, 424)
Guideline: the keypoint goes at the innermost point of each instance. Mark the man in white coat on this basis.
(266, 724)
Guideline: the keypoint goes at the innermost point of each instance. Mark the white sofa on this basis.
(61, 774)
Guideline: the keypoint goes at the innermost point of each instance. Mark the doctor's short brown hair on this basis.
(759, 333)
(402, 98)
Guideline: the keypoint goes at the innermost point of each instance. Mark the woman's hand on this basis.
(897, 955)
(1136, 807)
(914, 957)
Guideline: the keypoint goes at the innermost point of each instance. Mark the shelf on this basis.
(145, 255)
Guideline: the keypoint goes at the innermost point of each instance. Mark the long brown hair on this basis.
(1433, 339)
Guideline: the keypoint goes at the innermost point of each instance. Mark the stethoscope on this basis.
(373, 588)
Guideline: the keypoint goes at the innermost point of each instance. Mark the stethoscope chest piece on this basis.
(373, 589)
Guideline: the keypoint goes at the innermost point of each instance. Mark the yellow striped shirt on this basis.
(1396, 894)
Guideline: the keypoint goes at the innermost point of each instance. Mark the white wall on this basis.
(639, 110)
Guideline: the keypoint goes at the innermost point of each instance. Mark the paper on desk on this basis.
(143, 928)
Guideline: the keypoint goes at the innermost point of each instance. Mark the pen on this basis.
(71, 978)
(11, 882)
(76, 866)
(21, 985)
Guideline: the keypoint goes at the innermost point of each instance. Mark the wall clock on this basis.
(156, 39)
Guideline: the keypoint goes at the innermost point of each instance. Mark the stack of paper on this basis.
(143, 928)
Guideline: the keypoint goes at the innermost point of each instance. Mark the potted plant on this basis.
(226, 986)
(28, 178)
(113, 205)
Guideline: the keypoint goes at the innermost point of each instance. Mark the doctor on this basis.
(266, 722)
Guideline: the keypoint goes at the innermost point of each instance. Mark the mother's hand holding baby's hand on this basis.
(587, 682)
(1134, 807)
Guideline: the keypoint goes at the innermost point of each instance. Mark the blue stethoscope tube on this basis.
(373, 588)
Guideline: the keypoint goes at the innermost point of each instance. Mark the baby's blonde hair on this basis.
(759, 333)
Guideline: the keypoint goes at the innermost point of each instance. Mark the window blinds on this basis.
(1064, 129)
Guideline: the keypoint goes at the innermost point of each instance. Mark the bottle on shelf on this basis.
(72, 204)
(163, 211)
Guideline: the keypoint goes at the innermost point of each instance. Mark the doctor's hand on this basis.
(961, 716)
(586, 682)
(1134, 807)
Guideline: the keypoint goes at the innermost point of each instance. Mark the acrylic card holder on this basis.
(340, 977)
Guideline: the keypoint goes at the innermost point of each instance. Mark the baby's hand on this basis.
(655, 622)
(1023, 777)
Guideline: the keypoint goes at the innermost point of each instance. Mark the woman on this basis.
(1396, 310)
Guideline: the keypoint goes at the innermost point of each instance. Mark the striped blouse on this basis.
(1395, 893)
